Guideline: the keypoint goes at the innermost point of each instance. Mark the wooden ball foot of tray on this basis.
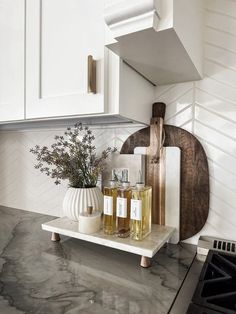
(145, 262)
(55, 237)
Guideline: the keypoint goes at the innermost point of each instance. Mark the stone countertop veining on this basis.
(73, 276)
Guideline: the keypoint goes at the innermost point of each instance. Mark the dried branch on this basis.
(73, 157)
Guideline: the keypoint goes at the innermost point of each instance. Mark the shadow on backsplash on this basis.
(126, 167)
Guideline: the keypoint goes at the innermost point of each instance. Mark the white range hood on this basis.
(161, 39)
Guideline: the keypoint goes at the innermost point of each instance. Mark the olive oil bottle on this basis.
(140, 212)
(109, 208)
(123, 210)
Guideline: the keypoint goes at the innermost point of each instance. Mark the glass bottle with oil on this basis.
(109, 208)
(140, 212)
(123, 210)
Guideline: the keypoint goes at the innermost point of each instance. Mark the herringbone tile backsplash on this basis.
(22, 186)
(206, 108)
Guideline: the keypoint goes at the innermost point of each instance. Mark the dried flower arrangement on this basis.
(73, 157)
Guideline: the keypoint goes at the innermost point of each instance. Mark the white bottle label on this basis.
(136, 209)
(108, 205)
(121, 207)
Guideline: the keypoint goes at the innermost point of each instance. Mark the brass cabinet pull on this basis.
(91, 75)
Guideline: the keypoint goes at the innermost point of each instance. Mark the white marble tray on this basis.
(148, 247)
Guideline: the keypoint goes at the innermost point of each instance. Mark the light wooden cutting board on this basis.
(171, 173)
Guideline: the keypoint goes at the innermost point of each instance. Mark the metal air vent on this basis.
(206, 243)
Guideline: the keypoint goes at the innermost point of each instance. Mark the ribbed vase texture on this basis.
(77, 200)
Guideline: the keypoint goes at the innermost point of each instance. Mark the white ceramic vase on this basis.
(77, 200)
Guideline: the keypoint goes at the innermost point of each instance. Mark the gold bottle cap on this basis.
(113, 183)
(125, 184)
(90, 209)
(140, 185)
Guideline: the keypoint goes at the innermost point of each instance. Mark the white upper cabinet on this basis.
(61, 34)
(161, 39)
(45, 75)
(45, 46)
(12, 32)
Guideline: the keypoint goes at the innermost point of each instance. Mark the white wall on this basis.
(207, 108)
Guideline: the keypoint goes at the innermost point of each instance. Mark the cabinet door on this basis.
(60, 36)
(12, 31)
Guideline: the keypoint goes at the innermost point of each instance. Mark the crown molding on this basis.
(123, 17)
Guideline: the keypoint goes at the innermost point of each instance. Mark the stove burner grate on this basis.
(216, 290)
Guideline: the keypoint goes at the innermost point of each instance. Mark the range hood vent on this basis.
(161, 39)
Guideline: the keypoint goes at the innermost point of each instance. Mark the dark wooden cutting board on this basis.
(194, 195)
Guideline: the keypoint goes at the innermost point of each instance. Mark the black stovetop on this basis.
(216, 289)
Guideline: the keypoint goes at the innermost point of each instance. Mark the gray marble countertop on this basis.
(73, 276)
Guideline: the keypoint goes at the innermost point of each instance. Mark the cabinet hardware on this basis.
(91, 75)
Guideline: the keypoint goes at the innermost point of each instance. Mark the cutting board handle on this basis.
(158, 110)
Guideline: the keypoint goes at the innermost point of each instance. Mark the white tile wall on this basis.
(207, 108)
(24, 187)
